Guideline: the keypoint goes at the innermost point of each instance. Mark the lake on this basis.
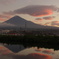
(20, 52)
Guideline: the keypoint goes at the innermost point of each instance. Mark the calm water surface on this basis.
(20, 52)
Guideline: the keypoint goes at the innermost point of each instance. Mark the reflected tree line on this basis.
(46, 41)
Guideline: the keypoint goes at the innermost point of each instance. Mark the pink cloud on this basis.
(35, 10)
(1, 19)
(5, 52)
(38, 56)
(45, 12)
(47, 23)
(39, 19)
(55, 23)
(48, 18)
(4, 17)
(49, 51)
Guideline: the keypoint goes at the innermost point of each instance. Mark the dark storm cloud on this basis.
(35, 10)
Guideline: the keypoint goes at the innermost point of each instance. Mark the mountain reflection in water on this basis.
(15, 48)
(6, 52)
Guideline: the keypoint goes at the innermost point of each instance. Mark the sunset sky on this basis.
(44, 12)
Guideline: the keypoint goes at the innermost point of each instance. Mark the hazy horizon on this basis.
(38, 11)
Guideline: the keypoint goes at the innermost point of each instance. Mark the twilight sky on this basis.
(45, 12)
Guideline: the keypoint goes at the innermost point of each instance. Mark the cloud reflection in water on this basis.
(29, 53)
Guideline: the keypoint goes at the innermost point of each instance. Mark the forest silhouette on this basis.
(32, 40)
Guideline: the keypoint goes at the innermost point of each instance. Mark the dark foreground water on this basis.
(20, 52)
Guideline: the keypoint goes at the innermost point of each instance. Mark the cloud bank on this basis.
(45, 54)
(48, 18)
(55, 23)
(44, 11)
(4, 17)
(39, 19)
(35, 10)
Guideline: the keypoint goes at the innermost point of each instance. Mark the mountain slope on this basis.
(17, 22)
(20, 22)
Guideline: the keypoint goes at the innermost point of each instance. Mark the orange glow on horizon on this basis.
(4, 18)
(1, 19)
(39, 56)
(56, 21)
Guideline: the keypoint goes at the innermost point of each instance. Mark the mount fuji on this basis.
(18, 22)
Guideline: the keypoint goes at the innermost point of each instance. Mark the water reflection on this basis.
(6, 52)
(15, 48)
